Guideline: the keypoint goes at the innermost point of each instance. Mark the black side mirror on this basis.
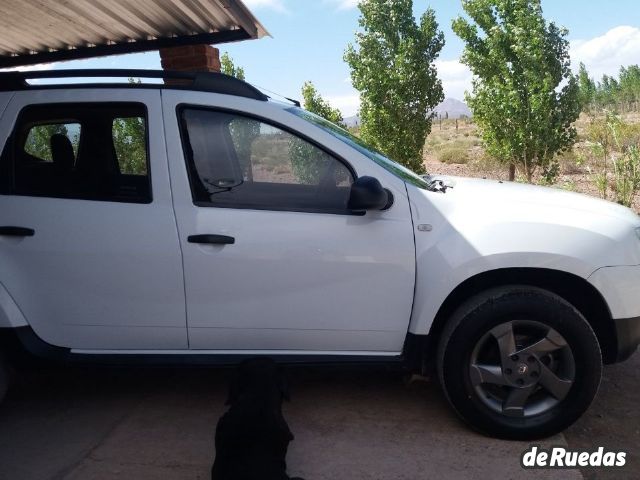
(368, 194)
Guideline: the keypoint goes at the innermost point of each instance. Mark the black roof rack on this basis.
(201, 81)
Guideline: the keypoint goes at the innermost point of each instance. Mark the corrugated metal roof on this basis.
(35, 30)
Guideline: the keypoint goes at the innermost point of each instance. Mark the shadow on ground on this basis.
(613, 421)
(159, 423)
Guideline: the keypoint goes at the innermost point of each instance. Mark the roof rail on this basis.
(201, 81)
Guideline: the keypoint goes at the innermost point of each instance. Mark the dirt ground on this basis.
(613, 421)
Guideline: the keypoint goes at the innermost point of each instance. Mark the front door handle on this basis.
(11, 231)
(212, 239)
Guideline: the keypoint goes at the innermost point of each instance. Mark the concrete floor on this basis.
(159, 424)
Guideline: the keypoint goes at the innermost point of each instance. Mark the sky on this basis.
(308, 39)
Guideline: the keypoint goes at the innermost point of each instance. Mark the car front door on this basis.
(88, 241)
(273, 259)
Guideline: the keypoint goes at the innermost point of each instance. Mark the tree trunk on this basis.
(512, 172)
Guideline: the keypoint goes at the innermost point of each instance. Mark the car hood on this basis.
(532, 198)
(488, 219)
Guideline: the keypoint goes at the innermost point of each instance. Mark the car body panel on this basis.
(10, 314)
(292, 280)
(5, 98)
(620, 287)
(479, 226)
(97, 274)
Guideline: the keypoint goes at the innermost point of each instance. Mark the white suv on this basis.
(202, 223)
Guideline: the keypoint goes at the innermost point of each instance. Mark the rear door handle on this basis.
(212, 239)
(17, 231)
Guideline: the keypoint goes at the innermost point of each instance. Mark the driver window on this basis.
(240, 162)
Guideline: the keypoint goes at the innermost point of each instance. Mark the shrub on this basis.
(571, 162)
(617, 144)
(550, 173)
(569, 185)
(454, 155)
(626, 170)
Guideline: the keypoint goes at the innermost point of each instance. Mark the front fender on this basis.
(469, 230)
(434, 286)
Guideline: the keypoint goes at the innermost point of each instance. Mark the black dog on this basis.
(252, 437)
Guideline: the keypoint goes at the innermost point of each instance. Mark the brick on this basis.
(201, 58)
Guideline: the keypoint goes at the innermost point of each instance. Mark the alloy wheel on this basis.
(522, 368)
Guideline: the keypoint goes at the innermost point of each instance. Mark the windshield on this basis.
(354, 142)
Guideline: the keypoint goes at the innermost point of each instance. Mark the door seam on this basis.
(175, 220)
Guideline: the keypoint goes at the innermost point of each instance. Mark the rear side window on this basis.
(236, 161)
(129, 140)
(38, 142)
(80, 151)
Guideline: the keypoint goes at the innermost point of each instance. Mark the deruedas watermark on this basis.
(560, 457)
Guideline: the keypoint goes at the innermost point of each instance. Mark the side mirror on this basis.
(368, 194)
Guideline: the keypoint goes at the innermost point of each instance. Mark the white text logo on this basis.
(559, 457)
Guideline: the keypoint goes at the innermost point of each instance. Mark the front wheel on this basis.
(519, 363)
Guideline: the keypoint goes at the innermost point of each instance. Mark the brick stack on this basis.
(191, 58)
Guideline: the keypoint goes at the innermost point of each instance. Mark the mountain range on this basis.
(454, 108)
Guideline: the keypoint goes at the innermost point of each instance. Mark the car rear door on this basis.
(88, 242)
(273, 260)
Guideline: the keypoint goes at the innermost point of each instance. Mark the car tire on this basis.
(519, 363)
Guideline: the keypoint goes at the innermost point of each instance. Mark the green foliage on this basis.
(228, 67)
(306, 164)
(588, 89)
(243, 132)
(129, 141)
(621, 94)
(600, 135)
(313, 102)
(525, 98)
(617, 144)
(38, 141)
(571, 162)
(626, 160)
(550, 172)
(392, 67)
(454, 155)
(601, 182)
(569, 185)
(629, 88)
(626, 170)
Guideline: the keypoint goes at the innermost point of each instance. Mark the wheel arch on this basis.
(572, 288)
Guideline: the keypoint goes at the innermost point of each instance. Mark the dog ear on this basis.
(283, 384)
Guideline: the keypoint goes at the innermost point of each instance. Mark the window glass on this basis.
(81, 151)
(129, 140)
(344, 136)
(38, 142)
(237, 161)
